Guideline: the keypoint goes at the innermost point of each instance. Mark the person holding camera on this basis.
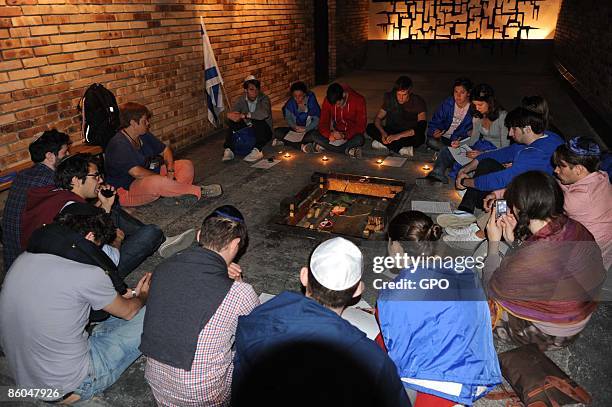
(143, 169)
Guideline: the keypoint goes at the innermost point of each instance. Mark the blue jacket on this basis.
(534, 157)
(291, 318)
(443, 118)
(441, 335)
(294, 117)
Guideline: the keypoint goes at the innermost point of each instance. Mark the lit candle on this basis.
(324, 158)
(379, 161)
(287, 155)
(426, 167)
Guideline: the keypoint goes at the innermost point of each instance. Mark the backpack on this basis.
(243, 140)
(100, 115)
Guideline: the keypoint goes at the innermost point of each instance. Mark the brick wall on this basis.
(51, 50)
(583, 45)
(350, 35)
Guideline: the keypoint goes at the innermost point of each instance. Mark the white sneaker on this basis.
(407, 151)
(377, 145)
(455, 219)
(462, 231)
(253, 156)
(228, 155)
(174, 244)
(308, 148)
(354, 152)
(277, 143)
(461, 192)
(211, 191)
(465, 242)
(319, 148)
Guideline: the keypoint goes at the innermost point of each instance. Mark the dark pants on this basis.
(473, 197)
(396, 145)
(444, 161)
(263, 133)
(438, 143)
(140, 241)
(281, 132)
(356, 141)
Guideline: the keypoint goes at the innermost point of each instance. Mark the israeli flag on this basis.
(212, 79)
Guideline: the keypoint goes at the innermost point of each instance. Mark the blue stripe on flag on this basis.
(210, 73)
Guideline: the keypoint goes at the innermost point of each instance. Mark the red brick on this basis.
(10, 11)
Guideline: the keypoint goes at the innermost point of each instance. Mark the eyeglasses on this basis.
(95, 175)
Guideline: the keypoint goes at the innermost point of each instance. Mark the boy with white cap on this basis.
(301, 340)
(251, 110)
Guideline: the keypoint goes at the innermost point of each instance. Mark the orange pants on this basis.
(148, 189)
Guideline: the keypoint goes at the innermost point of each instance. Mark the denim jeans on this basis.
(444, 161)
(113, 347)
(140, 241)
(473, 197)
(356, 141)
(396, 145)
(437, 144)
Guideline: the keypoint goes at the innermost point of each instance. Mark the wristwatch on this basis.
(134, 293)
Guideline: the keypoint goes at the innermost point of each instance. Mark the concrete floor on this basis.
(274, 257)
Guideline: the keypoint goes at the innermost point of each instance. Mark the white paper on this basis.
(394, 161)
(265, 164)
(361, 320)
(337, 143)
(431, 206)
(294, 136)
(459, 154)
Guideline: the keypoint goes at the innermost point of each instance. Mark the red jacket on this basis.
(42, 205)
(350, 119)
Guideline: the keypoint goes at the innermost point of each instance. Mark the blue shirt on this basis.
(121, 156)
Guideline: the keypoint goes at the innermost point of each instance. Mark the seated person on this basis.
(405, 116)
(492, 170)
(546, 288)
(488, 132)
(189, 358)
(586, 190)
(453, 118)
(46, 152)
(302, 114)
(45, 303)
(308, 326)
(251, 110)
(142, 168)
(452, 325)
(343, 121)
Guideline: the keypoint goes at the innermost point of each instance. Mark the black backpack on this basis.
(100, 115)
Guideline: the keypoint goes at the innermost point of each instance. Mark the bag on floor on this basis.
(243, 140)
(100, 115)
(537, 380)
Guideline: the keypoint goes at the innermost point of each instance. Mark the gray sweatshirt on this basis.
(262, 108)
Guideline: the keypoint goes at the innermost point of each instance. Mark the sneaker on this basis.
(461, 192)
(319, 148)
(455, 219)
(465, 242)
(462, 231)
(377, 145)
(211, 191)
(308, 148)
(354, 152)
(254, 155)
(228, 155)
(407, 151)
(277, 143)
(174, 244)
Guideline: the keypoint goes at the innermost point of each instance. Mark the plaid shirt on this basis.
(38, 176)
(208, 383)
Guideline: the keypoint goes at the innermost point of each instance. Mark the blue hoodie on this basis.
(533, 157)
(443, 118)
(293, 318)
(294, 117)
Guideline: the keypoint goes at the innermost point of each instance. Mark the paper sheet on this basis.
(394, 161)
(294, 136)
(265, 164)
(431, 206)
(337, 143)
(361, 320)
(459, 154)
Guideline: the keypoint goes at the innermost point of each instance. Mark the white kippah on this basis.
(337, 264)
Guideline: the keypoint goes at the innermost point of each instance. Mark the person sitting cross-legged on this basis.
(143, 169)
(195, 300)
(45, 303)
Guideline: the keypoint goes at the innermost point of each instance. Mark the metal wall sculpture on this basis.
(459, 19)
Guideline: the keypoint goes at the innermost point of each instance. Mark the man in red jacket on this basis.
(343, 121)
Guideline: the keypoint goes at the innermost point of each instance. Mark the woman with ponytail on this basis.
(545, 289)
(434, 320)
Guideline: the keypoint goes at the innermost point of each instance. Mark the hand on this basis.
(383, 137)
(106, 203)
(234, 272)
(336, 135)
(390, 138)
(508, 222)
(455, 144)
(473, 154)
(460, 177)
(487, 202)
(170, 174)
(494, 228)
(300, 129)
(119, 237)
(437, 133)
(234, 116)
(143, 286)
(507, 165)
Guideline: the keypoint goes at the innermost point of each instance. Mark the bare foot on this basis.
(73, 398)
